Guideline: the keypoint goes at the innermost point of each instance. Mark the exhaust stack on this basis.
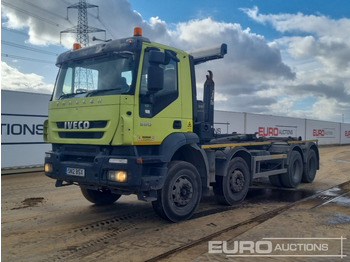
(208, 53)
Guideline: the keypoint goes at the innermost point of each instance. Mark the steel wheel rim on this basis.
(182, 192)
(237, 181)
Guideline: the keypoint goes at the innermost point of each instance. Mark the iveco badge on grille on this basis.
(77, 125)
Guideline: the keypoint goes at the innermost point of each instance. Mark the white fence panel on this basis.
(275, 126)
(226, 122)
(327, 133)
(23, 114)
(22, 118)
(345, 134)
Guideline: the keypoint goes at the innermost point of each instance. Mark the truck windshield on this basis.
(103, 75)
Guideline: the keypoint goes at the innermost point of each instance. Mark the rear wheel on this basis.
(233, 187)
(310, 167)
(294, 172)
(99, 197)
(181, 193)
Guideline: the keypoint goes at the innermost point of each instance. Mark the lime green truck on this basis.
(124, 119)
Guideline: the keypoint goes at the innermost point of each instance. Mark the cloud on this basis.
(319, 25)
(250, 59)
(40, 18)
(310, 60)
(12, 79)
(324, 38)
(318, 48)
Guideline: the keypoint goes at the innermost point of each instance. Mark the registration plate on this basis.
(71, 171)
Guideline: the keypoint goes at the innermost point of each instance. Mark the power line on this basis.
(14, 31)
(24, 33)
(67, 3)
(28, 48)
(27, 58)
(29, 13)
(44, 10)
(102, 23)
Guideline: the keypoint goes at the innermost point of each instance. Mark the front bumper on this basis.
(142, 176)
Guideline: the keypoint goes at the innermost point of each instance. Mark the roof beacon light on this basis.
(76, 46)
(137, 31)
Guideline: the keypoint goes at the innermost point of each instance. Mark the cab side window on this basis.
(154, 100)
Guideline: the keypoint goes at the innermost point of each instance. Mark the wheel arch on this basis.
(172, 143)
(193, 154)
(184, 147)
(243, 153)
(230, 154)
(304, 151)
(298, 149)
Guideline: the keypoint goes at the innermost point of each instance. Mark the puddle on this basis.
(334, 191)
(342, 201)
(338, 219)
(277, 195)
(30, 202)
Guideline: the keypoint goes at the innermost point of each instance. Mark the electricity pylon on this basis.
(82, 29)
(84, 79)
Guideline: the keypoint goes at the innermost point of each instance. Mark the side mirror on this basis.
(155, 78)
(156, 57)
(155, 72)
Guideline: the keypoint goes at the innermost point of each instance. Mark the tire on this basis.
(100, 197)
(181, 193)
(294, 173)
(275, 180)
(310, 167)
(233, 187)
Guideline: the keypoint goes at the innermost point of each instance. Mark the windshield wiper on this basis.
(91, 93)
(66, 96)
(71, 94)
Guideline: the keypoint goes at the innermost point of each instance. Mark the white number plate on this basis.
(75, 171)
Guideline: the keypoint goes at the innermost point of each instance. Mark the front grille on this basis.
(81, 135)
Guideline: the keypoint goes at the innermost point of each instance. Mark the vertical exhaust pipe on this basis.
(208, 99)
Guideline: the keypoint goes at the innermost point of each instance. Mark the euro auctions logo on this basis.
(280, 247)
(324, 132)
(347, 133)
(277, 131)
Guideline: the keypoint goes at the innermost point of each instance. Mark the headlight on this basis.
(117, 175)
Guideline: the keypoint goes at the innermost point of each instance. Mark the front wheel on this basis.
(181, 193)
(99, 197)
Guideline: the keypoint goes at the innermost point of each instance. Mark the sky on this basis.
(285, 58)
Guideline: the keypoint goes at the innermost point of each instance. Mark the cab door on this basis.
(159, 98)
